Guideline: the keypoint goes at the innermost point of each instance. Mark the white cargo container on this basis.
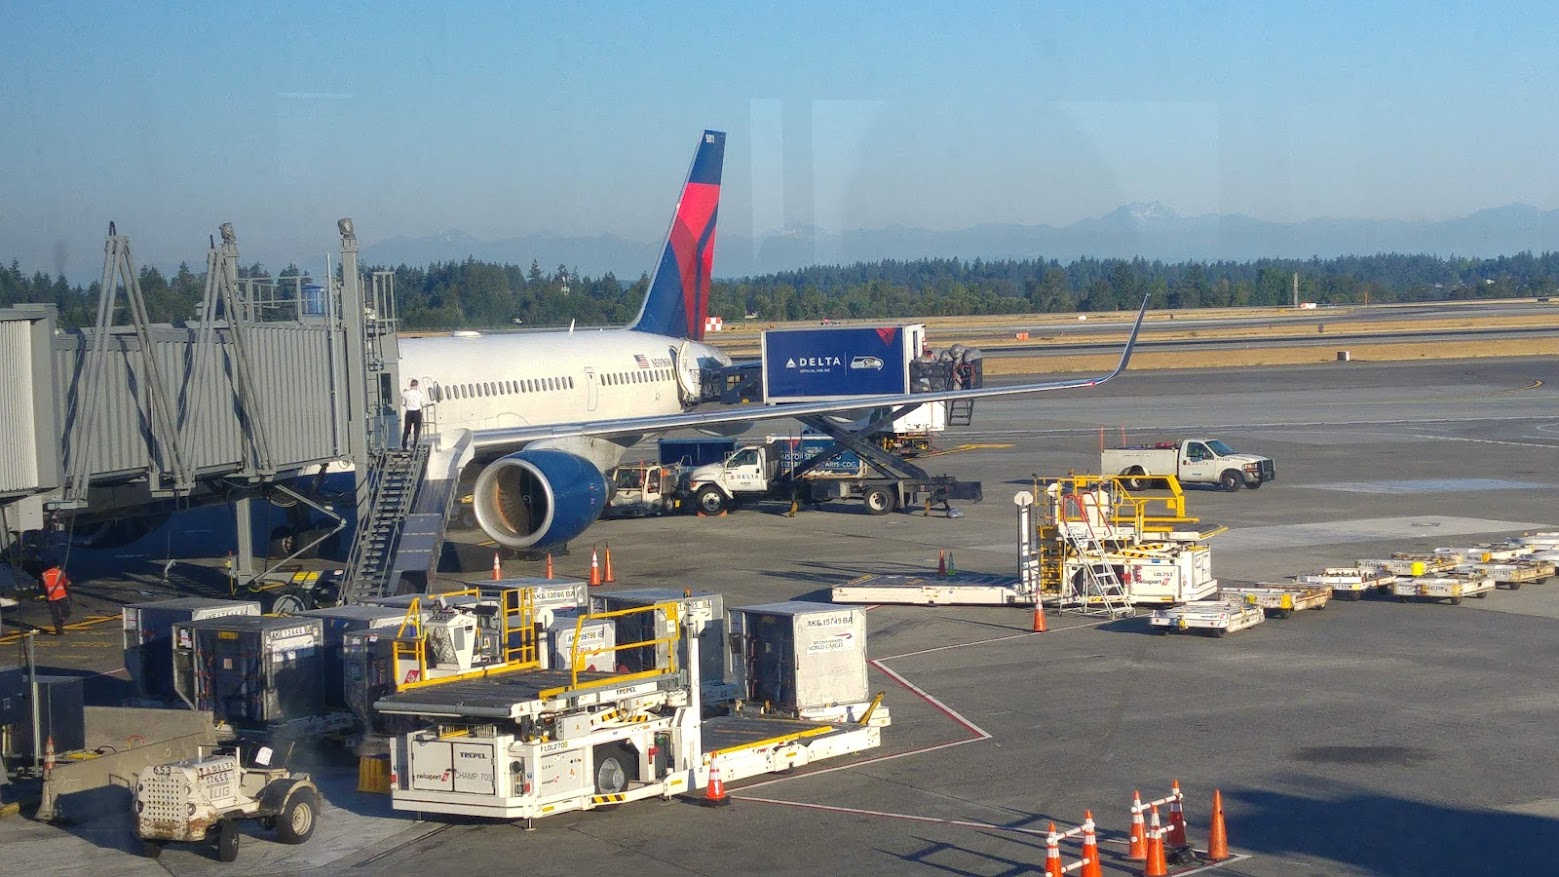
(804, 659)
(595, 638)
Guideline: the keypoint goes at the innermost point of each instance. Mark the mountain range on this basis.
(1149, 230)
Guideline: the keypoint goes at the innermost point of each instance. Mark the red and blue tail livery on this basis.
(678, 300)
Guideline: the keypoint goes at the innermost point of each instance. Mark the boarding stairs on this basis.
(1098, 591)
(393, 481)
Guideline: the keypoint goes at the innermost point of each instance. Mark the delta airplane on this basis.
(554, 411)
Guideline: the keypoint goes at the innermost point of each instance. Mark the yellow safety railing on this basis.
(672, 613)
(516, 624)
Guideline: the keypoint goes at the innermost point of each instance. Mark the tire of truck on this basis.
(1254, 484)
(711, 501)
(1486, 593)
(1231, 480)
(151, 849)
(879, 501)
(1282, 614)
(1136, 479)
(296, 824)
(1514, 586)
(611, 777)
(287, 603)
(227, 840)
(1456, 601)
(1220, 632)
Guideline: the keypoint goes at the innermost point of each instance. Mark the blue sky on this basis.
(579, 118)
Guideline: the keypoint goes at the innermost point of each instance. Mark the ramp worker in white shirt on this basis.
(412, 400)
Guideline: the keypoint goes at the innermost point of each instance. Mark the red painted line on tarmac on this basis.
(979, 732)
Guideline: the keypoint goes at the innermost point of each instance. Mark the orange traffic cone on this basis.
(1177, 819)
(1039, 617)
(1157, 865)
(595, 568)
(1091, 866)
(549, 564)
(497, 567)
(1137, 851)
(1218, 837)
(48, 756)
(941, 564)
(607, 571)
(1053, 866)
(714, 792)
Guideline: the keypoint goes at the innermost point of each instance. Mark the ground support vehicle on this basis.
(1449, 588)
(1192, 461)
(1278, 601)
(204, 799)
(529, 744)
(814, 469)
(962, 589)
(1349, 582)
(643, 489)
(1216, 617)
(1409, 564)
(1511, 575)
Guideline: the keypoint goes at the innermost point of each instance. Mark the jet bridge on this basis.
(271, 381)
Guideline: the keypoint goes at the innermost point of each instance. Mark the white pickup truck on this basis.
(1192, 461)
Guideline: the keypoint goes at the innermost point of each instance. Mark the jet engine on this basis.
(539, 498)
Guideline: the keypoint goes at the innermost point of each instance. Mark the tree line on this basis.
(477, 294)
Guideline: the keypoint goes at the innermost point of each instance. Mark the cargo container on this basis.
(804, 659)
(715, 670)
(831, 362)
(596, 639)
(148, 637)
(251, 671)
(61, 710)
(339, 621)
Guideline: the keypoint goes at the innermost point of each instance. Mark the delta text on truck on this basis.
(1193, 461)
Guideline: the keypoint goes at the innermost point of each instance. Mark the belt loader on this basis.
(528, 744)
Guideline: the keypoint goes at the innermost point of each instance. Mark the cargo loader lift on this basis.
(529, 744)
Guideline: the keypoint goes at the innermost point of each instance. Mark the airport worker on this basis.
(56, 589)
(412, 400)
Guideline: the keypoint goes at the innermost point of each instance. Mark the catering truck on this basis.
(1192, 461)
(799, 469)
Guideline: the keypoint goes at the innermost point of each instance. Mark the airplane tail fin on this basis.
(678, 300)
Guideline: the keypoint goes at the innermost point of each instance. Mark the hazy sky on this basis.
(579, 118)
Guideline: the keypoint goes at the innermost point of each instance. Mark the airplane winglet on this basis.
(1131, 341)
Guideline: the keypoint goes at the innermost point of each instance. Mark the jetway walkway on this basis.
(269, 382)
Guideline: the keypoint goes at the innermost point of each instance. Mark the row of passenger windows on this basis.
(642, 376)
(509, 388)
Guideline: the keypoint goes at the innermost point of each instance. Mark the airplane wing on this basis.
(518, 436)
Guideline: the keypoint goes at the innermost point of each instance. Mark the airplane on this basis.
(554, 411)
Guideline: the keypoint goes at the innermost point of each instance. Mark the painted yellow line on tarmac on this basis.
(945, 451)
(83, 624)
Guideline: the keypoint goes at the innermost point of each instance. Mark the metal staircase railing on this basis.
(395, 478)
(1102, 592)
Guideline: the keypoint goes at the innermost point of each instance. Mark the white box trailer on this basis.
(1349, 582)
(1216, 617)
(1153, 573)
(1449, 588)
(529, 744)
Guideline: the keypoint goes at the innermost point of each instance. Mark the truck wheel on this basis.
(227, 841)
(1135, 479)
(151, 849)
(710, 500)
(610, 776)
(1456, 601)
(1514, 586)
(297, 818)
(878, 501)
(1254, 485)
(1231, 480)
(287, 603)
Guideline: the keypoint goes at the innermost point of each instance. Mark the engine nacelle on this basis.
(539, 498)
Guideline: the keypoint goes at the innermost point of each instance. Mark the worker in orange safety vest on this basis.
(56, 588)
